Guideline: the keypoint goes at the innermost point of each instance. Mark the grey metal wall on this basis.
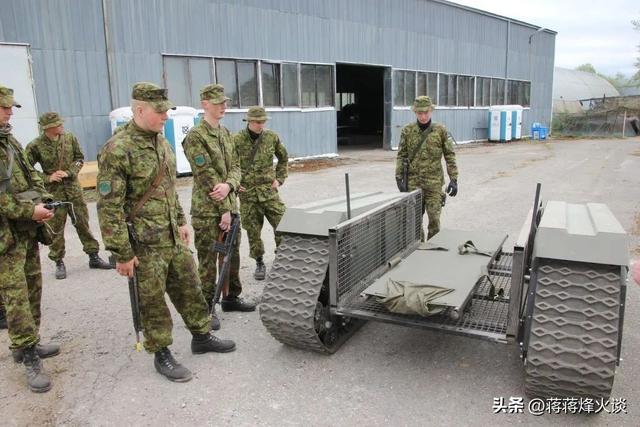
(69, 61)
(70, 57)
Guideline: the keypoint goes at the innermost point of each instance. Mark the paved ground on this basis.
(385, 375)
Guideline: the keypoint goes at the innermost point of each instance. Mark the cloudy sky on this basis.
(599, 33)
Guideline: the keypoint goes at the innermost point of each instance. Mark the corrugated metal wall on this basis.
(70, 61)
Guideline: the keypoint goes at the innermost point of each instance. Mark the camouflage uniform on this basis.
(127, 165)
(64, 154)
(259, 200)
(425, 168)
(20, 276)
(213, 160)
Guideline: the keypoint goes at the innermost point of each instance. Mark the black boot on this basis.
(261, 270)
(215, 320)
(61, 270)
(168, 366)
(37, 378)
(205, 343)
(44, 351)
(236, 304)
(3, 319)
(96, 262)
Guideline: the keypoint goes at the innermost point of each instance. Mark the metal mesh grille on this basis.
(367, 244)
(485, 317)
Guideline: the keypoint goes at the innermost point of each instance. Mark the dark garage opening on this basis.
(360, 105)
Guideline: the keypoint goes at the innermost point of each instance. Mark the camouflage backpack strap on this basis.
(422, 141)
(5, 173)
(162, 168)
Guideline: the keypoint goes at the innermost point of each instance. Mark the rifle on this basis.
(405, 175)
(225, 246)
(134, 297)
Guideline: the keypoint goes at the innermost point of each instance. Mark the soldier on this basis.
(422, 145)
(21, 212)
(259, 198)
(216, 177)
(136, 186)
(61, 159)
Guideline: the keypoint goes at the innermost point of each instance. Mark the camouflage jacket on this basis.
(16, 212)
(213, 160)
(64, 154)
(127, 166)
(425, 169)
(258, 171)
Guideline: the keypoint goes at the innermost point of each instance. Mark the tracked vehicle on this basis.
(558, 294)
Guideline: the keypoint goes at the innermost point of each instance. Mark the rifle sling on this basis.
(162, 167)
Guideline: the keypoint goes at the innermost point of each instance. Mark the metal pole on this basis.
(346, 184)
(624, 121)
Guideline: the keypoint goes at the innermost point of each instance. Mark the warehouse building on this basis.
(329, 72)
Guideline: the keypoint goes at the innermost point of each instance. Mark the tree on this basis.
(587, 68)
(636, 76)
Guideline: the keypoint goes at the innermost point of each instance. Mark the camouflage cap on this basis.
(154, 95)
(422, 103)
(6, 98)
(256, 114)
(213, 93)
(50, 120)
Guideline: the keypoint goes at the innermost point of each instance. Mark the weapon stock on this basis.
(134, 296)
(225, 248)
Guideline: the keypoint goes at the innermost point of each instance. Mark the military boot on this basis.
(3, 319)
(61, 270)
(168, 366)
(229, 303)
(205, 343)
(261, 270)
(44, 351)
(37, 378)
(96, 262)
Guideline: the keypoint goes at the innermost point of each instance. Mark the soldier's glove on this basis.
(452, 188)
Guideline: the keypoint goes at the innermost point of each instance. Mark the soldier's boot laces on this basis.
(215, 320)
(44, 351)
(37, 378)
(261, 270)
(168, 366)
(61, 270)
(96, 262)
(206, 343)
(236, 304)
(3, 319)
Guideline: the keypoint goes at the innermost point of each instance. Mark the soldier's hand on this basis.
(41, 214)
(185, 234)
(275, 184)
(54, 177)
(126, 268)
(225, 222)
(452, 188)
(635, 271)
(62, 174)
(241, 189)
(220, 191)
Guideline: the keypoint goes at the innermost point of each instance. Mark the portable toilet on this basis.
(499, 123)
(119, 117)
(180, 121)
(515, 113)
(494, 123)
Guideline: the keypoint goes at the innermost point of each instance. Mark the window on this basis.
(497, 92)
(270, 74)
(404, 87)
(448, 89)
(483, 90)
(185, 76)
(240, 81)
(428, 85)
(308, 79)
(343, 99)
(290, 85)
(316, 83)
(398, 88)
(518, 92)
(465, 91)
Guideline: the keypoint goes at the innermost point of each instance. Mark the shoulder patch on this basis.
(104, 188)
(199, 160)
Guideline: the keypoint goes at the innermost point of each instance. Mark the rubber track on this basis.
(573, 341)
(291, 293)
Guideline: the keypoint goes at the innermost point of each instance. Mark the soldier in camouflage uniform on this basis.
(259, 198)
(61, 159)
(21, 211)
(423, 144)
(216, 176)
(136, 185)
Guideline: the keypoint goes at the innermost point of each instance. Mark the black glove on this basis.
(452, 188)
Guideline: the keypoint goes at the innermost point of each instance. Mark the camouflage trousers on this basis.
(432, 204)
(206, 232)
(253, 213)
(168, 270)
(57, 223)
(21, 289)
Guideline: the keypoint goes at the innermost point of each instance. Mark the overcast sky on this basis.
(599, 33)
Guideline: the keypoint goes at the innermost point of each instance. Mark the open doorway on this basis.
(360, 106)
